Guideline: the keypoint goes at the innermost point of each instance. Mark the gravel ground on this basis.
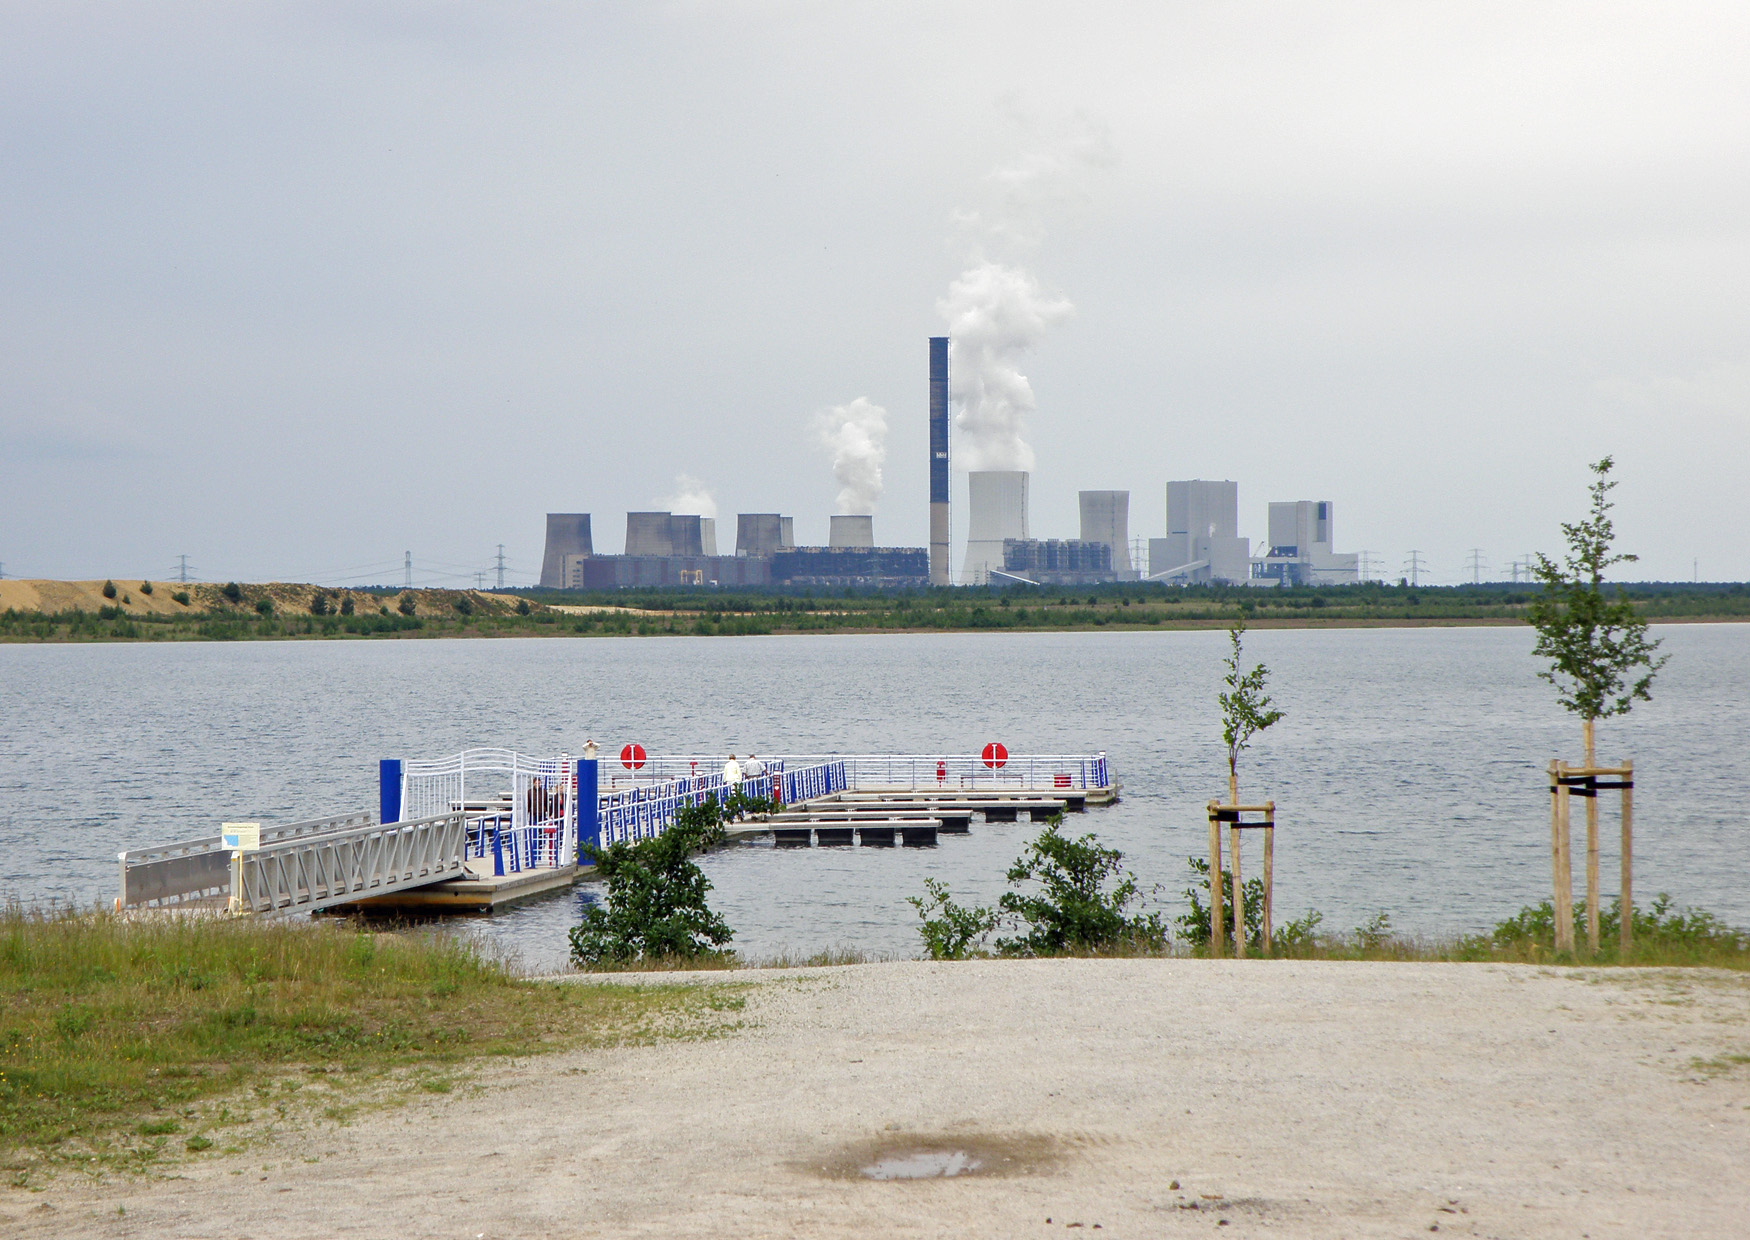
(1137, 1097)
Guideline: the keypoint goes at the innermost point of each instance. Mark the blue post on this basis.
(589, 806)
(389, 790)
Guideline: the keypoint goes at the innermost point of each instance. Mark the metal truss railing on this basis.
(317, 871)
(199, 871)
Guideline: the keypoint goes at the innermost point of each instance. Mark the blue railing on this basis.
(644, 812)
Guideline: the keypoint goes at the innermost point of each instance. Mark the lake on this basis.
(1408, 771)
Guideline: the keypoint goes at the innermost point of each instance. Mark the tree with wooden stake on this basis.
(1600, 663)
(1245, 712)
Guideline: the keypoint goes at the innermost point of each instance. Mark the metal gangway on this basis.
(301, 867)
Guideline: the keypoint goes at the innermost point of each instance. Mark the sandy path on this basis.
(1314, 1099)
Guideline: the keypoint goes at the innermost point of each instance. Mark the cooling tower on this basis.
(686, 534)
(939, 529)
(787, 533)
(708, 536)
(649, 533)
(1106, 519)
(999, 511)
(567, 534)
(759, 533)
(852, 532)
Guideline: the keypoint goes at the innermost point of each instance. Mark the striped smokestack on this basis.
(938, 460)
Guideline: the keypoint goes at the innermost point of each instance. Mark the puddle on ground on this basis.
(923, 1165)
(938, 1155)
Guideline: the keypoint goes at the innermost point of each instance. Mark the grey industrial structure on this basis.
(1300, 548)
(678, 549)
(1202, 542)
(1106, 519)
(939, 523)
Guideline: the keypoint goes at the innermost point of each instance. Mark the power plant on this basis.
(1202, 545)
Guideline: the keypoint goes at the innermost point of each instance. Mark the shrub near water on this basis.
(116, 1034)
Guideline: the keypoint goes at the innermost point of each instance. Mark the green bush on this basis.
(656, 907)
(109, 589)
(950, 931)
(1072, 910)
(1194, 924)
(464, 605)
(346, 607)
(318, 604)
(233, 591)
(181, 596)
(264, 606)
(145, 587)
(522, 607)
(406, 606)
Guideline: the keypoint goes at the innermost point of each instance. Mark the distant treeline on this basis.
(709, 612)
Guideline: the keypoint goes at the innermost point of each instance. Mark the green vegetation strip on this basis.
(123, 1041)
(300, 612)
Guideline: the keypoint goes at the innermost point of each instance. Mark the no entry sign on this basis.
(996, 754)
(632, 757)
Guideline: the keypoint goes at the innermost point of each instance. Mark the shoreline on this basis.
(1149, 1097)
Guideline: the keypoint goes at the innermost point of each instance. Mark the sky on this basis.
(296, 289)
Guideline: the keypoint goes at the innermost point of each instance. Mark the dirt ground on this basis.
(1142, 1098)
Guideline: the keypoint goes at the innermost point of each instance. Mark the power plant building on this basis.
(1202, 543)
(1106, 519)
(1300, 548)
(1054, 562)
(998, 506)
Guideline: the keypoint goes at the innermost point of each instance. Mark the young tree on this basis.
(1594, 644)
(1600, 660)
(656, 907)
(1245, 709)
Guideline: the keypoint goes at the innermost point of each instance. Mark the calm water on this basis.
(1408, 772)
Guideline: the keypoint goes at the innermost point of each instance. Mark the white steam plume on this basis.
(995, 313)
(856, 435)
(691, 497)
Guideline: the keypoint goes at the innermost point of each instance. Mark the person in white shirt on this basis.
(753, 768)
(731, 774)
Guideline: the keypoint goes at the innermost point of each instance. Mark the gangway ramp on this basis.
(299, 868)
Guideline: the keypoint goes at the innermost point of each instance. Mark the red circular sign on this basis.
(632, 757)
(996, 754)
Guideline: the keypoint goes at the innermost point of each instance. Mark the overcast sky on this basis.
(294, 288)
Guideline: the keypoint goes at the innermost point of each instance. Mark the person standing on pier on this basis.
(731, 776)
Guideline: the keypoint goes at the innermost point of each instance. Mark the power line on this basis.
(408, 565)
(1366, 570)
(1415, 567)
(1476, 566)
(501, 566)
(182, 570)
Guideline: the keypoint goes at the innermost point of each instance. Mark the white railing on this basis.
(310, 872)
(200, 870)
(522, 811)
(924, 771)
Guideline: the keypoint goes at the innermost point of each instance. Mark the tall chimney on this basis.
(938, 460)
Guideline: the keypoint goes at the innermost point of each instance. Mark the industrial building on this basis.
(1300, 548)
(1053, 562)
(677, 549)
(1202, 542)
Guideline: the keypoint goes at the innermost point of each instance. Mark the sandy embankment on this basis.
(1290, 1099)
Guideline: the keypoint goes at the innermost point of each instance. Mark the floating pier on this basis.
(477, 830)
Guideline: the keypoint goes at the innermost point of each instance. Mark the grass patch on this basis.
(117, 1034)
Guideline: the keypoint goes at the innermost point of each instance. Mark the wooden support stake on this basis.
(1269, 875)
(1563, 868)
(1233, 839)
(1555, 847)
(1626, 931)
(1217, 931)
